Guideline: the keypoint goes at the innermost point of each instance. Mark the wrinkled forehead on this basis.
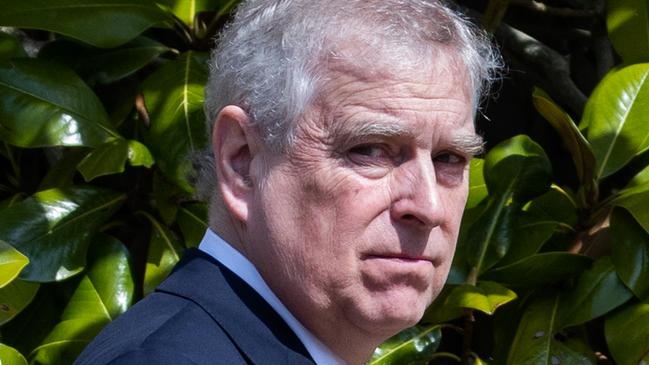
(372, 60)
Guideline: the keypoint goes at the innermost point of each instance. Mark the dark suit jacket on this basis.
(202, 314)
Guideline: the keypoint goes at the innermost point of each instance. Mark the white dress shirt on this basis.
(216, 247)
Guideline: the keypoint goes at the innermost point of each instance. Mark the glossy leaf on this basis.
(488, 238)
(630, 253)
(627, 22)
(627, 334)
(111, 157)
(486, 296)
(186, 9)
(43, 104)
(30, 327)
(138, 154)
(528, 236)
(192, 220)
(54, 227)
(14, 297)
(573, 140)
(640, 179)
(477, 185)
(517, 168)
(101, 23)
(415, 345)
(540, 269)
(556, 205)
(103, 66)
(616, 118)
(439, 311)
(534, 342)
(11, 356)
(104, 293)
(598, 291)
(164, 252)
(11, 263)
(174, 98)
(635, 200)
(10, 47)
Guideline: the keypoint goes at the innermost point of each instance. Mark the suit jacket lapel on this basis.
(259, 332)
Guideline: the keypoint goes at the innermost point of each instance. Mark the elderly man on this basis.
(341, 134)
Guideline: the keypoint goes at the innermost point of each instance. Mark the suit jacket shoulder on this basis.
(202, 314)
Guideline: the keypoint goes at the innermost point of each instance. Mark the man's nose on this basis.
(417, 200)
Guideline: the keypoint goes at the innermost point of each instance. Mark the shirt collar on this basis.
(218, 248)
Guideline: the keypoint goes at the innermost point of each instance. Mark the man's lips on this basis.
(398, 258)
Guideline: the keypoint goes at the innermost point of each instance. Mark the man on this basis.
(341, 134)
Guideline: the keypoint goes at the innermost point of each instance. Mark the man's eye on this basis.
(369, 154)
(450, 158)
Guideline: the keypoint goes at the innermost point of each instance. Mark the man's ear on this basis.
(232, 143)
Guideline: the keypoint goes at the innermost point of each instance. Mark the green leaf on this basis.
(167, 197)
(104, 293)
(557, 205)
(529, 235)
(103, 66)
(477, 185)
(488, 238)
(415, 345)
(192, 220)
(174, 97)
(43, 104)
(53, 228)
(517, 168)
(29, 328)
(630, 253)
(635, 200)
(515, 171)
(14, 297)
(186, 9)
(628, 29)
(534, 342)
(439, 311)
(486, 296)
(539, 269)
(10, 47)
(164, 252)
(11, 263)
(138, 154)
(110, 158)
(598, 291)
(627, 334)
(575, 142)
(11, 356)
(616, 118)
(101, 23)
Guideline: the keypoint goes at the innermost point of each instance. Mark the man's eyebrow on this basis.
(471, 144)
(350, 134)
(468, 143)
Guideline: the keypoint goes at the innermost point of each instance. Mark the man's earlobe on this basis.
(231, 144)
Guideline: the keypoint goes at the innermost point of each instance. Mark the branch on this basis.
(553, 10)
(552, 68)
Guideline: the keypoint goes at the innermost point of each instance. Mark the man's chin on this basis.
(391, 313)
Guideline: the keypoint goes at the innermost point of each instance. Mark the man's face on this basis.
(357, 224)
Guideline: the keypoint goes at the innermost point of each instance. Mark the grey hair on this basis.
(269, 59)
